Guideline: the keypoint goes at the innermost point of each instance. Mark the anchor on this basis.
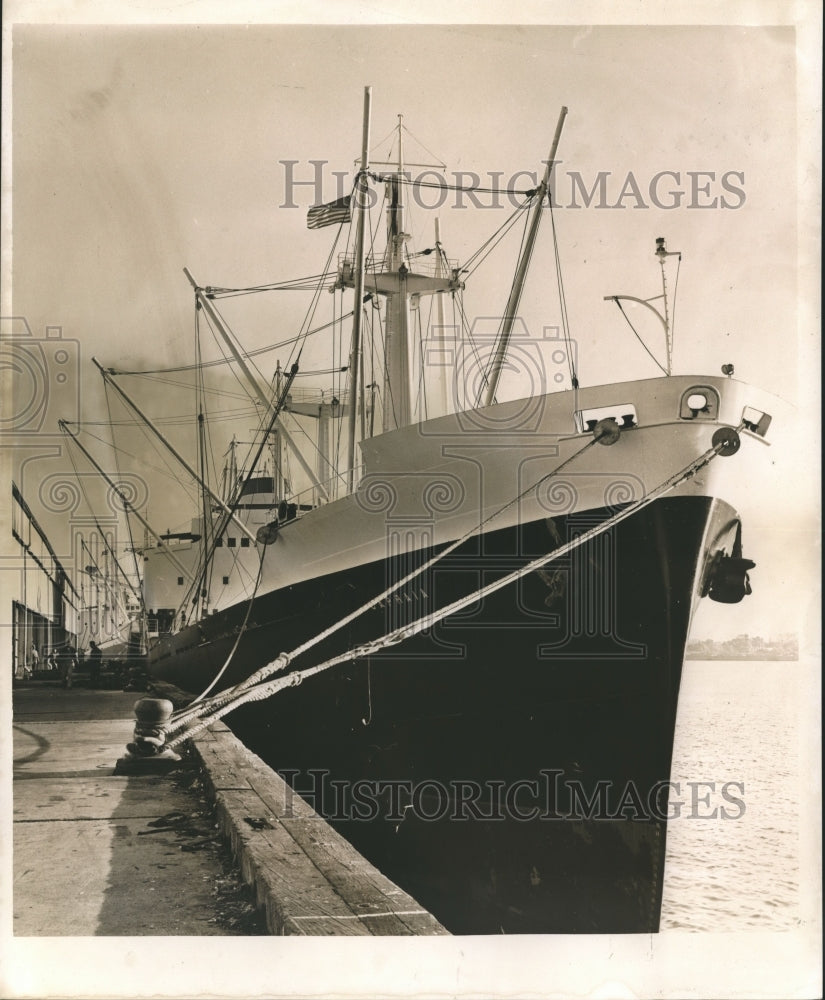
(727, 580)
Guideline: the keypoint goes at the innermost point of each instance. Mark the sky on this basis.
(138, 150)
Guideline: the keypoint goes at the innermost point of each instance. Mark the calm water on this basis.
(738, 722)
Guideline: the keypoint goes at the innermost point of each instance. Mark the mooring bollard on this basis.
(148, 753)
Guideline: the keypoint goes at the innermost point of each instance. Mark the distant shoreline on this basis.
(765, 658)
(744, 647)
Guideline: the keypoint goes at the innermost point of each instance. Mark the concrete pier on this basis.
(309, 879)
(102, 854)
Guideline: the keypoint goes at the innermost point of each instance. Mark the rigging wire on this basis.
(241, 631)
(444, 186)
(421, 144)
(126, 513)
(675, 290)
(177, 420)
(186, 486)
(98, 617)
(392, 132)
(335, 474)
(109, 444)
(565, 322)
(422, 382)
(295, 285)
(468, 333)
(644, 345)
(260, 415)
(239, 347)
(323, 371)
(186, 608)
(487, 247)
(109, 589)
(259, 412)
(302, 336)
(226, 360)
(213, 390)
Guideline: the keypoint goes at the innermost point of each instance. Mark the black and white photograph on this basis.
(412, 422)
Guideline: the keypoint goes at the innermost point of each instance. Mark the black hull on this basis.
(508, 768)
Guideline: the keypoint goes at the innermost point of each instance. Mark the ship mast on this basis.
(398, 280)
(511, 309)
(358, 306)
(663, 253)
(396, 345)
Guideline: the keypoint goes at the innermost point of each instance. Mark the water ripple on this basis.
(738, 722)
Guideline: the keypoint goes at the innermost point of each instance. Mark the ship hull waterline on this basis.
(510, 766)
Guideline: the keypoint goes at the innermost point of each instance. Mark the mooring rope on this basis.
(181, 718)
(261, 691)
(241, 632)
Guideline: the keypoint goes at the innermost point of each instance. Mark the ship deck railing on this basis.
(430, 265)
(335, 486)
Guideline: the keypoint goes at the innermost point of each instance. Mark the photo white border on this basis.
(747, 964)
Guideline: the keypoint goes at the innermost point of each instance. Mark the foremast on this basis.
(395, 277)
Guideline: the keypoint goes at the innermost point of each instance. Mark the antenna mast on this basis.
(661, 252)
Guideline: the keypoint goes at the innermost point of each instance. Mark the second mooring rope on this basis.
(261, 691)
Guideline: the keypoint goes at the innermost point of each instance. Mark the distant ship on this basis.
(508, 764)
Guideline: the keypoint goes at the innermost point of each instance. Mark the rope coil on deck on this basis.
(250, 691)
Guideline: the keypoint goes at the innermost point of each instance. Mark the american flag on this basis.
(331, 214)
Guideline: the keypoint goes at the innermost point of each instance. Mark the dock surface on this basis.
(100, 854)
(97, 853)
